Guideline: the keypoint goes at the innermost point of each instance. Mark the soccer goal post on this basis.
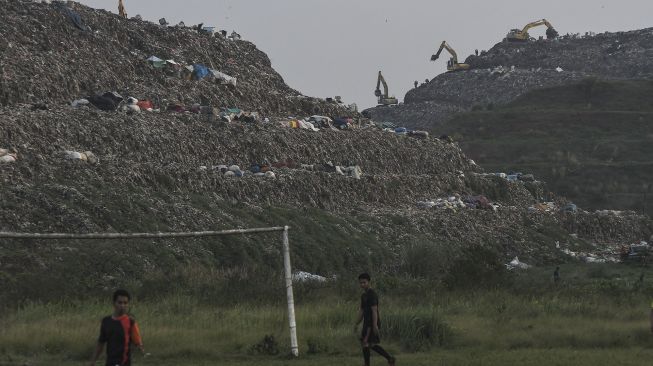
(292, 324)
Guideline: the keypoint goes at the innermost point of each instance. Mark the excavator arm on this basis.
(453, 64)
(528, 26)
(384, 98)
(522, 35)
(381, 80)
(121, 9)
(445, 46)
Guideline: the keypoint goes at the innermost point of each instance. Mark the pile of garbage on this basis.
(316, 123)
(544, 207)
(455, 202)
(517, 264)
(451, 93)
(408, 132)
(612, 213)
(593, 257)
(235, 171)
(481, 87)
(86, 156)
(174, 171)
(628, 227)
(514, 176)
(195, 72)
(353, 171)
(268, 170)
(6, 156)
(617, 55)
(112, 101)
(303, 277)
(449, 203)
(53, 53)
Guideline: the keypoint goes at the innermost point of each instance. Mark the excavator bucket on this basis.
(437, 55)
(551, 33)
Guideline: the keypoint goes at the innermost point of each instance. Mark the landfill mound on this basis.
(48, 56)
(357, 197)
(509, 70)
(81, 171)
(625, 55)
(590, 141)
(434, 103)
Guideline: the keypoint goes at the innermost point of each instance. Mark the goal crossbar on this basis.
(189, 234)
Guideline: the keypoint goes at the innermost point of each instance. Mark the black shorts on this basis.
(368, 334)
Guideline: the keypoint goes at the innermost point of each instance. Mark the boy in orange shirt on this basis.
(118, 331)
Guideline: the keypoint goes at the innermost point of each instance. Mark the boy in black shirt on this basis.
(118, 331)
(369, 315)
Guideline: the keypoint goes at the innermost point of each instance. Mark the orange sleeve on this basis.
(136, 335)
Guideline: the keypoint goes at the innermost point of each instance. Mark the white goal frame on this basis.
(292, 324)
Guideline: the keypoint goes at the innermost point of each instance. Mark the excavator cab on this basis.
(384, 98)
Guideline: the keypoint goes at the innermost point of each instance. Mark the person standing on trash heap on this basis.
(416, 84)
(118, 332)
(121, 9)
(368, 313)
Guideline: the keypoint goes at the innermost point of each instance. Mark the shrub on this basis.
(267, 346)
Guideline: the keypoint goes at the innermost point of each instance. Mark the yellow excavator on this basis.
(384, 99)
(521, 35)
(452, 64)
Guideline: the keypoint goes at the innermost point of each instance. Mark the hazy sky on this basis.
(336, 47)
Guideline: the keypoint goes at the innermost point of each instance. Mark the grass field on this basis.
(598, 316)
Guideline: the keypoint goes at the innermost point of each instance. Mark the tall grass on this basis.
(529, 314)
(417, 329)
(180, 327)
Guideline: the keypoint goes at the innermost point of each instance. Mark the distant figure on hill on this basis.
(119, 332)
(416, 84)
(369, 315)
(476, 51)
(556, 275)
(121, 9)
